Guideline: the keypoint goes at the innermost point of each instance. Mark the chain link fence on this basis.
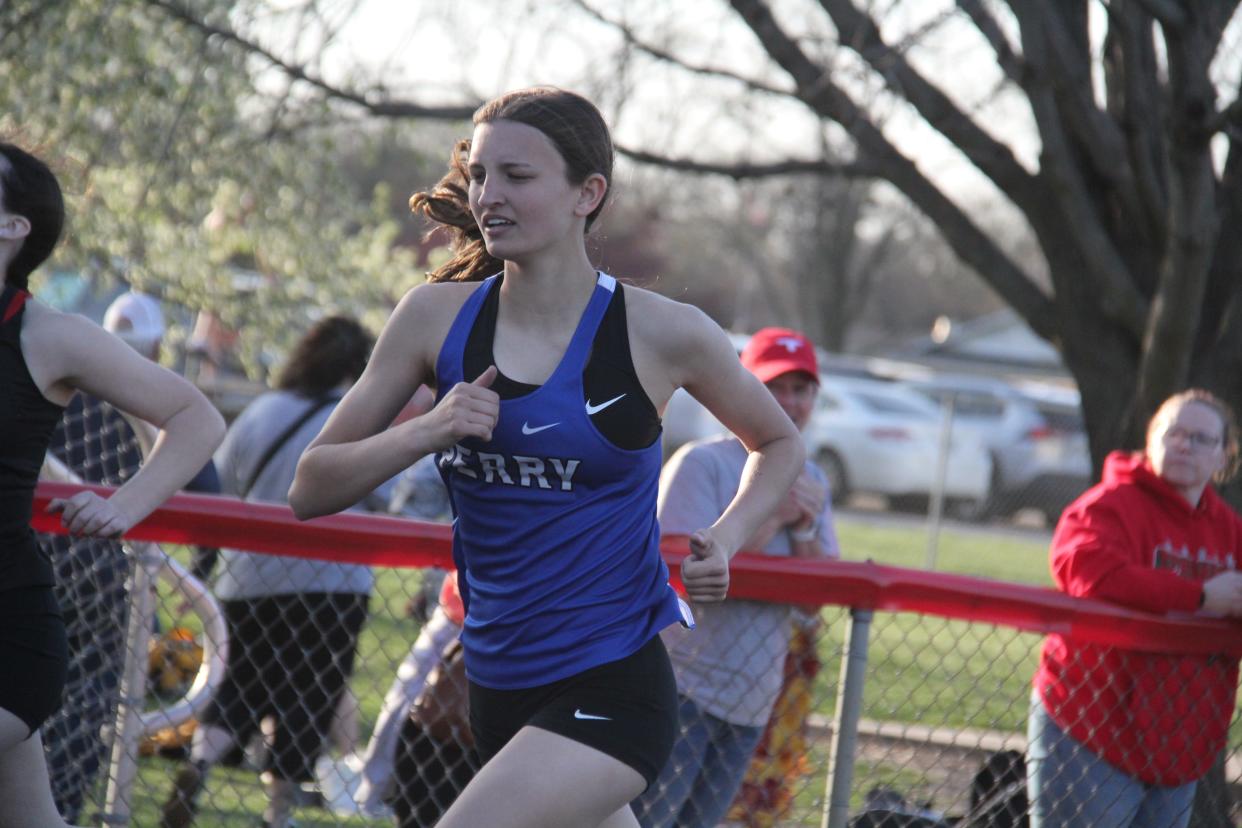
(942, 701)
(917, 717)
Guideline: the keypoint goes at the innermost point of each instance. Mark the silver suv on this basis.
(1035, 435)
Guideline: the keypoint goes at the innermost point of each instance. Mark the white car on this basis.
(882, 438)
(1035, 434)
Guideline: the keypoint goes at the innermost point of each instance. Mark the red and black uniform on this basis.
(33, 652)
(1134, 540)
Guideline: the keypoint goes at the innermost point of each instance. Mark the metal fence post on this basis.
(845, 722)
(123, 767)
(935, 506)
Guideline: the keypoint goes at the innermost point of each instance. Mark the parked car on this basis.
(1063, 456)
(1035, 435)
(883, 438)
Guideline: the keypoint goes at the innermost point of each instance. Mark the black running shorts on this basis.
(626, 709)
(34, 654)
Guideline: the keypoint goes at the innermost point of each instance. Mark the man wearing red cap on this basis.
(729, 668)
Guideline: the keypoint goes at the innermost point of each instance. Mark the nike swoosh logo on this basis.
(578, 714)
(526, 429)
(595, 409)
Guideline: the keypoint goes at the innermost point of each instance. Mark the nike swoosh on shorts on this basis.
(595, 409)
(578, 714)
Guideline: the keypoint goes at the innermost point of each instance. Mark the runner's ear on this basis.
(14, 227)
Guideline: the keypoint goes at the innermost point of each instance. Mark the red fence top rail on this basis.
(398, 542)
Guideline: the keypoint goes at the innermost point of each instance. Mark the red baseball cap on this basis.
(775, 351)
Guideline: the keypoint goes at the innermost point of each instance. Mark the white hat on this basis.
(136, 318)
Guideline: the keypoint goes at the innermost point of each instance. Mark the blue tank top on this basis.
(554, 533)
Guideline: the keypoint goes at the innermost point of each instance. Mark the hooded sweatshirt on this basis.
(1134, 540)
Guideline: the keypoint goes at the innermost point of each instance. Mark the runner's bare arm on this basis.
(70, 353)
(701, 359)
(357, 450)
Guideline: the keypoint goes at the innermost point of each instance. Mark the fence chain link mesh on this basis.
(945, 702)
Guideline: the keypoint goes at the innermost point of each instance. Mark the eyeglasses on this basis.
(1197, 439)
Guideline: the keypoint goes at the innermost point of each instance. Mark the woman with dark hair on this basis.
(329, 358)
(550, 380)
(293, 622)
(1119, 738)
(45, 358)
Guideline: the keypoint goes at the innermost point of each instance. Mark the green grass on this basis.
(236, 799)
(999, 557)
(934, 671)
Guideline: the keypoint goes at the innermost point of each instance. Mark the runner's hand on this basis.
(86, 513)
(705, 572)
(469, 409)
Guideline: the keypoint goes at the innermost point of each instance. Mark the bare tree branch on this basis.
(993, 158)
(1193, 217)
(1168, 12)
(1223, 298)
(1229, 119)
(1096, 134)
(744, 170)
(665, 56)
(1131, 77)
(816, 89)
(1007, 57)
(387, 108)
(1118, 296)
(1216, 18)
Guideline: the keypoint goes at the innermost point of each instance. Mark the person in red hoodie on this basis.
(1119, 738)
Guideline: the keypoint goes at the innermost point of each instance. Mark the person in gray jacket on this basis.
(293, 622)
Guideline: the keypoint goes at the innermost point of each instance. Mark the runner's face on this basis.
(519, 193)
(13, 228)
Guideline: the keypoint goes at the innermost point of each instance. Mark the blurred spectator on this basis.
(429, 768)
(780, 764)
(210, 349)
(100, 445)
(293, 622)
(729, 668)
(1119, 737)
(367, 782)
